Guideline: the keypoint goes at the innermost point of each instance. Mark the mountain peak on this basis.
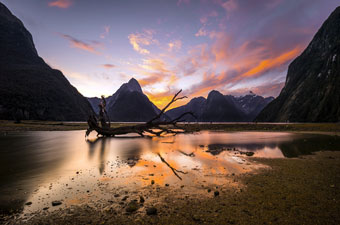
(133, 85)
(214, 93)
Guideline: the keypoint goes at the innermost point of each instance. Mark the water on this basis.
(41, 167)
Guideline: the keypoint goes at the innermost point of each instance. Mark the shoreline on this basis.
(303, 190)
(330, 128)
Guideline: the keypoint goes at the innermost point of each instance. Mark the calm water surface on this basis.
(41, 167)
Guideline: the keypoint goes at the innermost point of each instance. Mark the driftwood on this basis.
(154, 127)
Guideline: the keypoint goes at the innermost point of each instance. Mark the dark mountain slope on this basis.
(29, 88)
(128, 104)
(311, 92)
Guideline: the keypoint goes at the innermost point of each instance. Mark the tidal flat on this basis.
(208, 177)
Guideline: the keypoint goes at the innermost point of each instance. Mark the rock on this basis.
(209, 190)
(56, 203)
(28, 203)
(216, 193)
(116, 195)
(167, 185)
(46, 208)
(249, 153)
(125, 197)
(152, 182)
(141, 199)
(151, 211)
(132, 207)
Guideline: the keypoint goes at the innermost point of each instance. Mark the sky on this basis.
(233, 46)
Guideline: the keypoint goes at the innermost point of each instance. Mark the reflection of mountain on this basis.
(25, 160)
(29, 88)
(303, 145)
(306, 146)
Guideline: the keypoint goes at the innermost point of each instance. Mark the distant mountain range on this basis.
(222, 108)
(129, 104)
(312, 89)
(29, 88)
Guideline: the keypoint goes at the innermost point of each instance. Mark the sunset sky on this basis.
(233, 46)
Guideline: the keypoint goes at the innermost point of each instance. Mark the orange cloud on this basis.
(139, 39)
(108, 66)
(64, 4)
(75, 43)
(267, 64)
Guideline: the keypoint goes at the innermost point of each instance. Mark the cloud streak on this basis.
(91, 46)
(64, 4)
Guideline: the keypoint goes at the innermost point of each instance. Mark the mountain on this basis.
(222, 108)
(29, 88)
(311, 92)
(128, 104)
(252, 104)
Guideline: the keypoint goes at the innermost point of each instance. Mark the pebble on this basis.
(28, 203)
(55, 203)
(216, 193)
(151, 211)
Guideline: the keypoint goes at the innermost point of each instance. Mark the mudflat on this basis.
(303, 190)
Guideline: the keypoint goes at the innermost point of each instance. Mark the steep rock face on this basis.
(222, 108)
(311, 92)
(128, 104)
(29, 88)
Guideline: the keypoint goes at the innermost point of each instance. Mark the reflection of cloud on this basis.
(76, 43)
(142, 39)
(61, 4)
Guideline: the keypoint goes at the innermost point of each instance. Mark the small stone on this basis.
(132, 207)
(209, 190)
(55, 203)
(46, 208)
(124, 198)
(28, 203)
(216, 193)
(152, 182)
(141, 199)
(116, 195)
(332, 186)
(151, 211)
(167, 185)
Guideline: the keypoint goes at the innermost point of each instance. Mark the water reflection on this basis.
(44, 166)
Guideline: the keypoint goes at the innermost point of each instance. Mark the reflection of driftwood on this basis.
(154, 126)
(175, 171)
(192, 154)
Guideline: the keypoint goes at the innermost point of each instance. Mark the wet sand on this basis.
(303, 190)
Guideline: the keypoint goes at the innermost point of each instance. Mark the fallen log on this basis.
(154, 127)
